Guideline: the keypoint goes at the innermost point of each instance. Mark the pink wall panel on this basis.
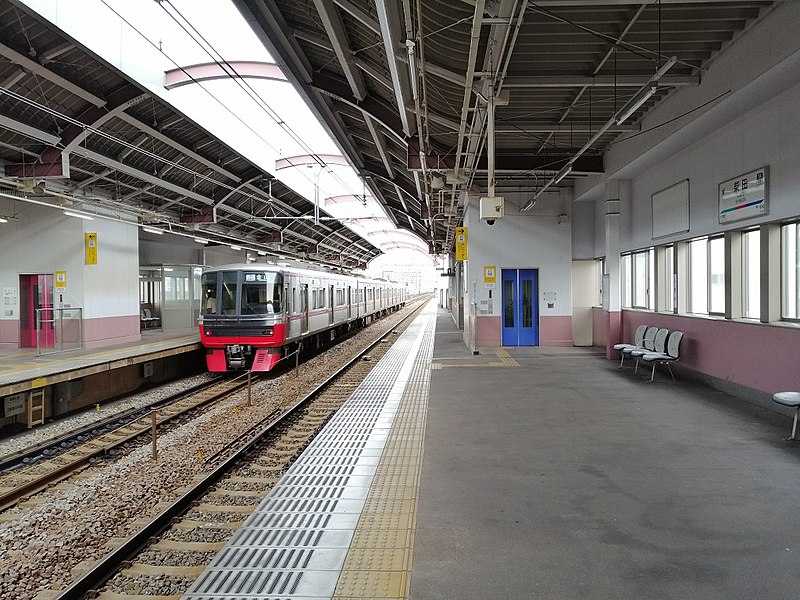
(760, 357)
(487, 334)
(555, 331)
(106, 331)
(9, 333)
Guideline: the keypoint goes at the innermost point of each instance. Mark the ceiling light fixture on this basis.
(200, 241)
(153, 230)
(3, 220)
(635, 103)
(566, 170)
(69, 213)
(235, 247)
(261, 253)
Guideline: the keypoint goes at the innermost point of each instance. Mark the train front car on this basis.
(243, 317)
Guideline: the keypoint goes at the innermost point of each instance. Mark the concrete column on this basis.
(612, 309)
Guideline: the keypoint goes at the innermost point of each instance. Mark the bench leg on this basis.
(794, 425)
(670, 372)
(653, 373)
(621, 359)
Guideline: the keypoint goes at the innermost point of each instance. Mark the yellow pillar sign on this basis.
(489, 274)
(91, 248)
(61, 280)
(461, 243)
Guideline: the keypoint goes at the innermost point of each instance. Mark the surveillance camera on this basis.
(490, 221)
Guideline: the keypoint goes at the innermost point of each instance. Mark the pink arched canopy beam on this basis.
(244, 69)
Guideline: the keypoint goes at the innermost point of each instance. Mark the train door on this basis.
(520, 307)
(349, 302)
(331, 304)
(36, 294)
(304, 308)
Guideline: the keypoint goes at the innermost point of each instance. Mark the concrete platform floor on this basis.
(567, 478)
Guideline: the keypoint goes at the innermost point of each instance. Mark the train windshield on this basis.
(256, 293)
(261, 293)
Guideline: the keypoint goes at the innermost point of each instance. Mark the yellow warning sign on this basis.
(91, 248)
(461, 243)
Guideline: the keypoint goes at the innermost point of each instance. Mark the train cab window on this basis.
(261, 293)
(228, 299)
(209, 287)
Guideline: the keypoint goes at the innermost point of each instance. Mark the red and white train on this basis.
(254, 314)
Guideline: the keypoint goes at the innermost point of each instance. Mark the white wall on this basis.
(767, 135)
(43, 240)
(530, 240)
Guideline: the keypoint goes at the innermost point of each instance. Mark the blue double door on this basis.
(520, 307)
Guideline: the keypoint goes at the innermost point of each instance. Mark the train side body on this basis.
(255, 314)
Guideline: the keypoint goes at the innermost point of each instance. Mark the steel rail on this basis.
(13, 495)
(73, 438)
(106, 567)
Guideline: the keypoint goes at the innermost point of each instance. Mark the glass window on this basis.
(626, 277)
(751, 274)
(527, 303)
(790, 269)
(209, 294)
(640, 280)
(669, 279)
(261, 293)
(508, 296)
(637, 272)
(228, 300)
(698, 276)
(600, 270)
(716, 275)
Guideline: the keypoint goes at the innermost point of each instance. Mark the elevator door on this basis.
(36, 293)
(520, 307)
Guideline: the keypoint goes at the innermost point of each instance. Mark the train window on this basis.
(209, 287)
(261, 293)
(228, 299)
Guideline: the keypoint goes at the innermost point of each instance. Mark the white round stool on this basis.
(789, 399)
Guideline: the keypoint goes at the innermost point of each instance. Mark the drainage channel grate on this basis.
(294, 545)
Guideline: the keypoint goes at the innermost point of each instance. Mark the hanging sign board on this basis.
(744, 197)
(91, 248)
(461, 243)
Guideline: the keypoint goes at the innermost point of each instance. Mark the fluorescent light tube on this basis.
(153, 230)
(235, 247)
(69, 213)
(262, 253)
(200, 241)
(635, 103)
(566, 170)
(3, 220)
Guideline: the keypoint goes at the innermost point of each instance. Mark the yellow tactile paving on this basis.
(501, 353)
(378, 564)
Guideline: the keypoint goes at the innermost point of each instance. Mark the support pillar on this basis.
(612, 307)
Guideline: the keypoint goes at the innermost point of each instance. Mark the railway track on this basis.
(34, 469)
(19, 484)
(163, 557)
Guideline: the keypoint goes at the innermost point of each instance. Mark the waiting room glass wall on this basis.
(171, 295)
